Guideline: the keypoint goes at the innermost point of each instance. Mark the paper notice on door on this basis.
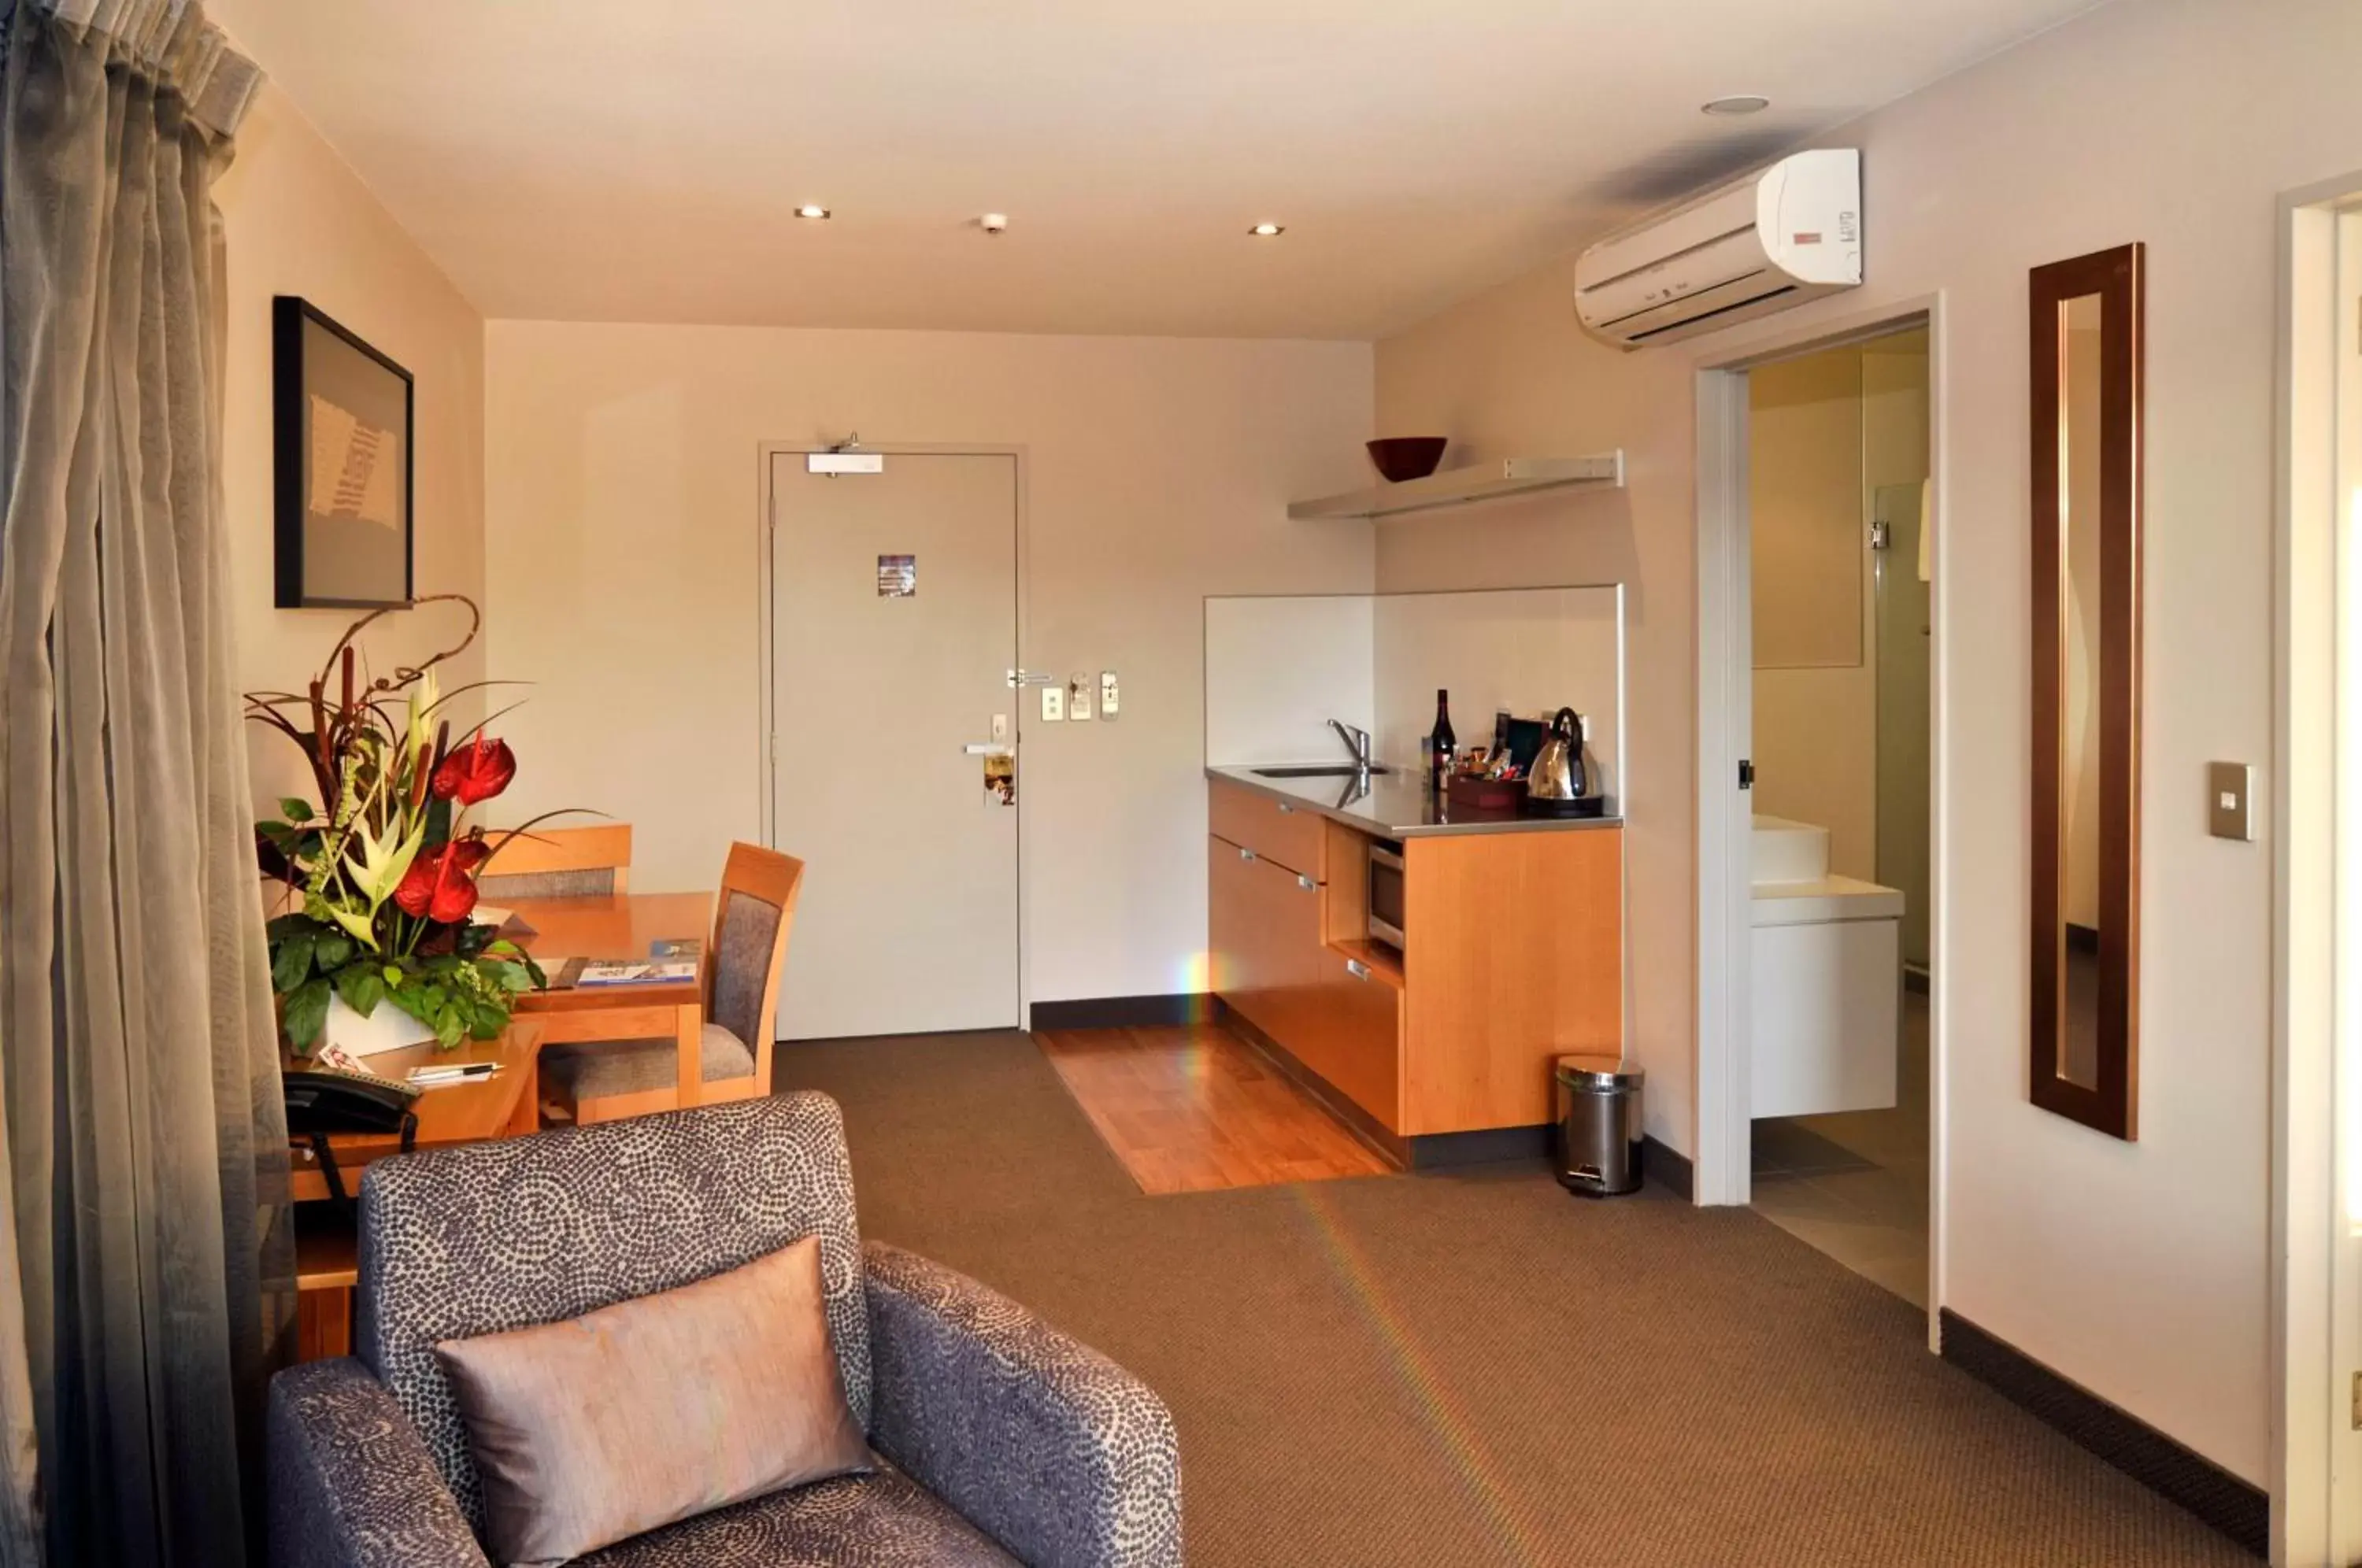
(897, 576)
(999, 778)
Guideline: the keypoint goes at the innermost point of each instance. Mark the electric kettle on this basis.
(1556, 784)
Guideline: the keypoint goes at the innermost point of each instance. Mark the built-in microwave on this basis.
(1387, 918)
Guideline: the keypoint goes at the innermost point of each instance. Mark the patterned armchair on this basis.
(1002, 1439)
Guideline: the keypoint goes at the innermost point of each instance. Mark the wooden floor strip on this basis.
(1192, 1109)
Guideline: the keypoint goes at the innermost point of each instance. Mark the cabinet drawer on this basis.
(1293, 835)
(1351, 1033)
(1263, 931)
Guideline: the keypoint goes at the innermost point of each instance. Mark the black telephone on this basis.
(322, 1100)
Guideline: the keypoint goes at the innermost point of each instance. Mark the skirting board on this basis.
(1124, 1012)
(1673, 1172)
(2237, 1509)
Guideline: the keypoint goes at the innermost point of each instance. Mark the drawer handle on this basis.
(1356, 968)
(1307, 883)
(1285, 810)
(1247, 855)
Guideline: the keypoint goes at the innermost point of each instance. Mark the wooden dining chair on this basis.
(559, 863)
(608, 1080)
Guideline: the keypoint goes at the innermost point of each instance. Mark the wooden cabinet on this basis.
(1291, 835)
(1263, 931)
(1351, 1033)
(1516, 956)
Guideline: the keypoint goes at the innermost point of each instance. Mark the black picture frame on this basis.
(340, 557)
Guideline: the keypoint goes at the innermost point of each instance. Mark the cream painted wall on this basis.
(2139, 1270)
(298, 221)
(1815, 620)
(625, 578)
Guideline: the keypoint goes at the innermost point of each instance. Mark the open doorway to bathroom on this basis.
(1841, 566)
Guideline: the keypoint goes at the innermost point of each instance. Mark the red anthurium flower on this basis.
(476, 771)
(442, 886)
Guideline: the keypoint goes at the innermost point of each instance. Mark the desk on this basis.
(505, 1105)
(622, 925)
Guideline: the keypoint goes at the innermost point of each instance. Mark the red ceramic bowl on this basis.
(1403, 457)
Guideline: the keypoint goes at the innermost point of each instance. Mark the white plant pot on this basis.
(387, 1029)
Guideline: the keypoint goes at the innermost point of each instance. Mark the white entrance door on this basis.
(894, 626)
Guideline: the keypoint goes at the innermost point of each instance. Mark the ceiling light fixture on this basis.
(812, 211)
(1268, 230)
(994, 223)
(1737, 104)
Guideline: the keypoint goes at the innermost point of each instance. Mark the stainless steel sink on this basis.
(1341, 770)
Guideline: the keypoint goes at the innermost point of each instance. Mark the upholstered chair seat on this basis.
(1000, 1439)
(638, 1067)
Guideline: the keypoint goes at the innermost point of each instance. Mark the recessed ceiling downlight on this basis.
(810, 211)
(1268, 230)
(1737, 104)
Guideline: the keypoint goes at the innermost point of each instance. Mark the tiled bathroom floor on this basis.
(1855, 1185)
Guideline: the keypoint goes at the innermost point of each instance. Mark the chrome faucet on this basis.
(1357, 741)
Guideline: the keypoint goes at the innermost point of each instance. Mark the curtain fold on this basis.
(145, 1231)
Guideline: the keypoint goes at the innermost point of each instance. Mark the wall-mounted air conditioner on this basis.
(1777, 237)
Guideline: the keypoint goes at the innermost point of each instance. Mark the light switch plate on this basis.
(1053, 704)
(1001, 726)
(2231, 801)
(1106, 694)
(1078, 699)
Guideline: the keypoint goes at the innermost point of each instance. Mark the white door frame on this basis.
(1725, 689)
(766, 606)
(2316, 1318)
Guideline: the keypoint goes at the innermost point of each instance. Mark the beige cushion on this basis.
(633, 1066)
(654, 1411)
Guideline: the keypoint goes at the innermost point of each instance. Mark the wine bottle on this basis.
(1447, 744)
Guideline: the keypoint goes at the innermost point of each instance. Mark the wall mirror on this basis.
(2086, 398)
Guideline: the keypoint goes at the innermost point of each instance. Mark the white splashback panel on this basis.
(1532, 650)
(1278, 670)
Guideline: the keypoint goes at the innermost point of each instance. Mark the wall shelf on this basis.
(1458, 486)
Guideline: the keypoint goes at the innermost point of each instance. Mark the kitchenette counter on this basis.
(1396, 804)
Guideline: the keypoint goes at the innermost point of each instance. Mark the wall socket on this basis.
(2231, 801)
(1078, 699)
(1053, 704)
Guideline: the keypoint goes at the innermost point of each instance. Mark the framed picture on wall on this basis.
(344, 417)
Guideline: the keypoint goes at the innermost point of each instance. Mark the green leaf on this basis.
(291, 959)
(392, 974)
(295, 808)
(449, 1027)
(509, 976)
(307, 1013)
(333, 951)
(288, 924)
(361, 986)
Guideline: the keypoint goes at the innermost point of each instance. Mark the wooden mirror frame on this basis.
(2110, 1106)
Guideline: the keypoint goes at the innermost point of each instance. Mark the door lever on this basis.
(1027, 678)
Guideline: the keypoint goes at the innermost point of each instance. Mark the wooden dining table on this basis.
(621, 926)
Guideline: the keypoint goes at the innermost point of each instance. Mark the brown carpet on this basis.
(1476, 1368)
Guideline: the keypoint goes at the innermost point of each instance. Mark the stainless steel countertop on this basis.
(1397, 805)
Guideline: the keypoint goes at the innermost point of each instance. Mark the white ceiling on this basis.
(640, 160)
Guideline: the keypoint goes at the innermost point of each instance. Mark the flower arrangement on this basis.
(385, 866)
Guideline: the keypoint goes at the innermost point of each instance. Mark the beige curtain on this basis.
(148, 1282)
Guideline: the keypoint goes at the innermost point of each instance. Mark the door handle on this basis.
(987, 748)
(1027, 678)
(1285, 810)
(1307, 883)
(1356, 968)
(1247, 855)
